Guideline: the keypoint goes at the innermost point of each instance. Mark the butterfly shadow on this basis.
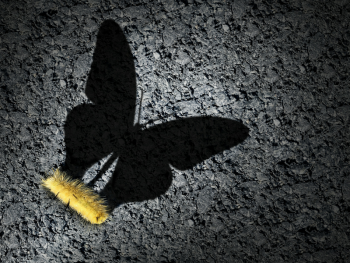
(94, 131)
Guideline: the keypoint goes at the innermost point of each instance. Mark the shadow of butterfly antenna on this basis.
(94, 131)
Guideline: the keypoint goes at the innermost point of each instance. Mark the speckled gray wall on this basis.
(280, 68)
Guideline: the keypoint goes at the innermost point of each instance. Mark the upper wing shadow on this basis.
(91, 130)
(187, 142)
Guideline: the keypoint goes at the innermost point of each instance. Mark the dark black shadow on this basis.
(94, 131)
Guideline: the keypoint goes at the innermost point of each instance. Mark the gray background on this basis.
(281, 67)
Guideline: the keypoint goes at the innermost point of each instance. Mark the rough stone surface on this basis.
(280, 67)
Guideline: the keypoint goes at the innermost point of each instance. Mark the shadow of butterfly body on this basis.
(93, 131)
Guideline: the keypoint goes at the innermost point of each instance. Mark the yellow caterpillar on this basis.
(74, 193)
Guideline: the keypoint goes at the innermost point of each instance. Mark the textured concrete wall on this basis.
(223, 124)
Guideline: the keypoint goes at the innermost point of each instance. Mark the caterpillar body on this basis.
(75, 194)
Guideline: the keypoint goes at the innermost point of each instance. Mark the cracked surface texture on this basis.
(281, 68)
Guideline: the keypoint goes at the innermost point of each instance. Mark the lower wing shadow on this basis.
(143, 170)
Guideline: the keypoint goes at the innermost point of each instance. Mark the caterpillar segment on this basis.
(76, 195)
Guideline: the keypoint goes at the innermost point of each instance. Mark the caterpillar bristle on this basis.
(77, 196)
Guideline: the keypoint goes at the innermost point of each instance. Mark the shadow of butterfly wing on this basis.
(143, 170)
(196, 139)
(92, 131)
